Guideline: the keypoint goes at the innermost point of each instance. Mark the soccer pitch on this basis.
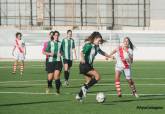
(26, 95)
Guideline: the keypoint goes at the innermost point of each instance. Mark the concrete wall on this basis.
(157, 13)
(150, 45)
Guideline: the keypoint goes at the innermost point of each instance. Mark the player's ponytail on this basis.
(51, 33)
(130, 43)
(51, 36)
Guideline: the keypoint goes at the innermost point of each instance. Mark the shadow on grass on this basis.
(143, 98)
(70, 87)
(151, 95)
(108, 90)
(31, 103)
(107, 74)
(104, 103)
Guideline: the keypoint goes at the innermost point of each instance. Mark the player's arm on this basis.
(112, 53)
(104, 54)
(13, 50)
(25, 50)
(131, 59)
(85, 50)
(130, 54)
(82, 60)
(44, 49)
(74, 50)
(44, 52)
(60, 52)
(48, 51)
(62, 46)
(24, 45)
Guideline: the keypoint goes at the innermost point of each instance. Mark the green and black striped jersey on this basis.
(90, 51)
(54, 47)
(67, 46)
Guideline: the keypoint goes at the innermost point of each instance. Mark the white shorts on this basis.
(126, 71)
(19, 56)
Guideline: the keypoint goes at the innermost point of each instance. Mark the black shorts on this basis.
(52, 66)
(69, 62)
(85, 68)
(46, 64)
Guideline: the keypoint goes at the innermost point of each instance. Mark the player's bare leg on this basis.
(50, 78)
(15, 67)
(66, 74)
(57, 81)
(132, 86)
(87, 79)
(94, 77)
(21, 67)
(117, 83)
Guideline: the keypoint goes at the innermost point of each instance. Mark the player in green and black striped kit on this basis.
(54, 65)
(88, 53)
(68, 46)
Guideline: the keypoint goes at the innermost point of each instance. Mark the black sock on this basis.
(58, 84)
(66, 75)
(49, 83)
(91, 83)
(80, 93)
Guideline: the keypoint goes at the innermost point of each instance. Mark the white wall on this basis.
(157, 15)
(140, 53)
(142, 39)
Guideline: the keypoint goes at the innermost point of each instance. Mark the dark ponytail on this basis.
(130, 43)
(51, 35)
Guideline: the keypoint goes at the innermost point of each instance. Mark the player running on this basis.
(19, 52)
(49, 81)
(68, 47)
(124, 59)
(88, 54)
(54, 66)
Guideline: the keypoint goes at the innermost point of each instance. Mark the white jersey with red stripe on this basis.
(122, 57)
(19, 52)
(20, 46)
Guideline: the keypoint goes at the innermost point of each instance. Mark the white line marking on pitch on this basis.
(77, 79)
(37, 93)
(101, 84)
(42, 66)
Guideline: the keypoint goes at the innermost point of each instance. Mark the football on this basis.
(100, 97)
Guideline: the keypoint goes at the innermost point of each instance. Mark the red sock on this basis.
(118, 89)
(21, 68)
(14, 68)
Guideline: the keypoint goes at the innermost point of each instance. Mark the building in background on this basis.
(75, 14)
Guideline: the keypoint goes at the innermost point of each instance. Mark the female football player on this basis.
(124, 59)
(54, 66)
(68, 47)
(88, 53)
(19, 52)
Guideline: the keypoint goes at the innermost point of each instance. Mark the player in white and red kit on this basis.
(19, 52)
(124, 58)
